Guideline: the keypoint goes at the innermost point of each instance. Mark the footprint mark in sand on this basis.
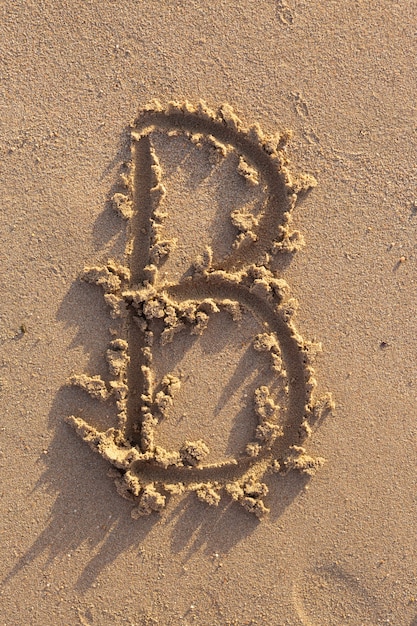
(204, 315)
(330, 594)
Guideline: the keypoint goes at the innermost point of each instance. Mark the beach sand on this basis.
(263, 483)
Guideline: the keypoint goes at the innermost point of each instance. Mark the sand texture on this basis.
(208, 364)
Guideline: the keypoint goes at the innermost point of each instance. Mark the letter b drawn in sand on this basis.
(212, 382)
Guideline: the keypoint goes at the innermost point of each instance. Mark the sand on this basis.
(208, 245)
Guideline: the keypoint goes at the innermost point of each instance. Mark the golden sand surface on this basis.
(208, 273)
